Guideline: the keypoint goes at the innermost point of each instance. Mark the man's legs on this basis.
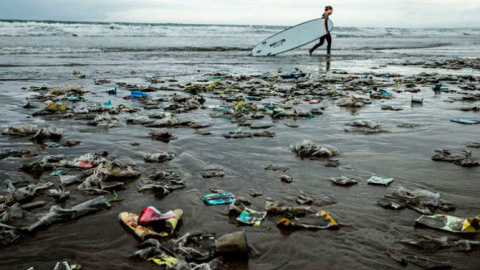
(329, 41)
(322, 40)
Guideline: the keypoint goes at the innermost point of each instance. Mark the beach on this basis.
(47, 54)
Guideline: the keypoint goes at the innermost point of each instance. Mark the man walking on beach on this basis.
(328, 37)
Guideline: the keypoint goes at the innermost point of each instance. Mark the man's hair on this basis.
(327, 8)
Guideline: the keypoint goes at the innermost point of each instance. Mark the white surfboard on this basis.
(292, 38)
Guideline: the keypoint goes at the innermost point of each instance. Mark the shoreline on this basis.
(389, 150)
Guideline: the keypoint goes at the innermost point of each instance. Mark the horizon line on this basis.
(211, 24)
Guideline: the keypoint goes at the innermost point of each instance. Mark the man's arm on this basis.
(325, 22)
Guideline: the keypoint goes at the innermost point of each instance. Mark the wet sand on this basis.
(99, 241)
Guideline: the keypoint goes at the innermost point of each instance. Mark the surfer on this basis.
(328, 37)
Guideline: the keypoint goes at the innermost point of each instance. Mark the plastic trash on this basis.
(343, 181)
(60, 194)
(460, 157)
(152, 217)
(137, 94)
(420, 200)
(58, 172)
(251, 217)
(210, 173)
(378, 180)
(112, 91)
(450, 223)
(232, 243)
(286, 179)
(52, 144)
(58, 214)
(74, 98)
(303, 199)
(465, 121)
(326, 218)
(69, 179)
(159, 157)
(164, 259)
(219, 198)
(432, 244)
(309, 149)
(197, 247)
(416, 99)
(151, 252)
(22, 153)
(66, 266)
(164, 181)
(48, 133)
(145, 232)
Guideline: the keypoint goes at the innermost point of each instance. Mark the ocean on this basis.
(45, 53)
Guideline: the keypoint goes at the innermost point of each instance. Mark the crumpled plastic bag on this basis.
(151, 251)
(21, 130)
(20, 194)
(48, 133)
(421, 200)
(202, 250)
(164, 181)
(58, 214)
(307, 148)
(351, 101)
(105, 119)
(108, 171)
(159, 157)
(432, 244)
(365, 123)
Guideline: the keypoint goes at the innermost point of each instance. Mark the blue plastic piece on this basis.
(219, 198)
(137, 94)
(465, 121)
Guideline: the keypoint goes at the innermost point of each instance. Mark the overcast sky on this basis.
(373, 13)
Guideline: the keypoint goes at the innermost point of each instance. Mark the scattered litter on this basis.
(423, 201)
(210, 173)
(432, 244)
(450, 223)
(159, 157)
(219, 198)
(286, 179)
(167, 227)
(465, 121)
(378, 180)
(460, 157)
(58, 214)
(309, 149)
(325, 218)
(418, 100)
(251, 217)
(343, 181)
(232, 243)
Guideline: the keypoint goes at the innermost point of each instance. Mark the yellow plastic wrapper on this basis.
(57, 106)
(332, 224)
(164, 259)
(240, 105)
